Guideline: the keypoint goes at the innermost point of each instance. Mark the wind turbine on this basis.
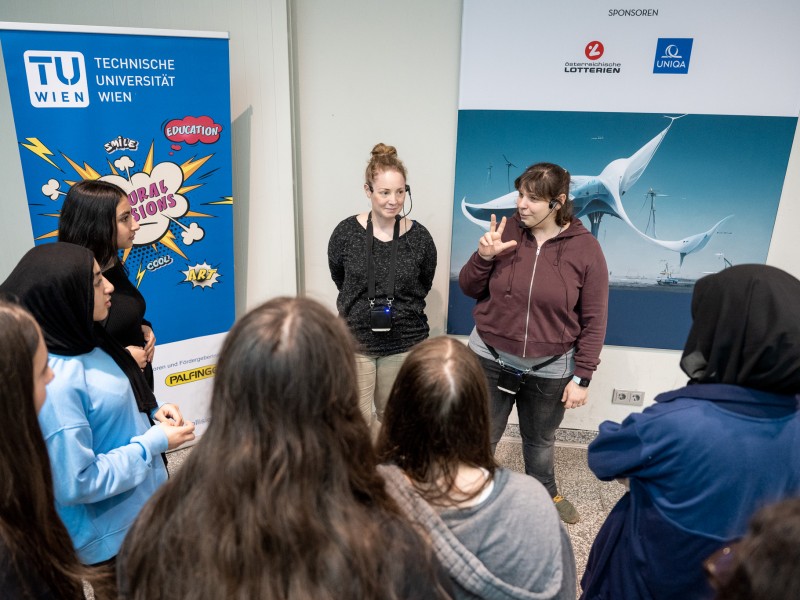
(509, 164)
(652, 195)
(725, 262)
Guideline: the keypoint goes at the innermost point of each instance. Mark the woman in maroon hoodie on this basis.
(541, 283)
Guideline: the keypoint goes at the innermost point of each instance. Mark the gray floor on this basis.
(593, 498)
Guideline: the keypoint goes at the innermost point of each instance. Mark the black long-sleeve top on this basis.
(416, 265)
(126, 316)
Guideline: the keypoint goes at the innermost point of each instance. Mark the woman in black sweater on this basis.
(386, 317)
(97, 215)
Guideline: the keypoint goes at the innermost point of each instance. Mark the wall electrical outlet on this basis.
(627, 397)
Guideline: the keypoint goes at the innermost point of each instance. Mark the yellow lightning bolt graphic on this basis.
(139, 275)
(148, 163)
(40, 150)
(86, 171)
(189, 188)
(167, 241)
(191, 213)
(191, 165)
(225, 200)
(48, 235)
(113, 170)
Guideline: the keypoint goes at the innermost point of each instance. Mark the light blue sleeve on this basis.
(79, 475)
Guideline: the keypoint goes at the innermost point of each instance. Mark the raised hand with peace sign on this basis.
(491, 243)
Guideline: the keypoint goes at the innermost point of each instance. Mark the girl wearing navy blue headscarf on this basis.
(705, 457)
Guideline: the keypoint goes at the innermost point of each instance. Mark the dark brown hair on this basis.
(764, 565)
(280, 499)
(383, 158)
(29, 525)
(547, 181)
(437, 417)
(89, 218)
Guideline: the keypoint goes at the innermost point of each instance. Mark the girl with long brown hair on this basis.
(280, 499)
(37, 559)
(496, 532)
(96, 214)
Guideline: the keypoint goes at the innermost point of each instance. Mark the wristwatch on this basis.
(581, 381)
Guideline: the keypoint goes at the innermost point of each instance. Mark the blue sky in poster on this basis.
(189, 85)
(706, 168)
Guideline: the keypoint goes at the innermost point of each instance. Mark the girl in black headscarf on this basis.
(705, 457)
(96, 420)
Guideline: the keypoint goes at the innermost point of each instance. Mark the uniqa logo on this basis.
(56, 79)
(672, 55)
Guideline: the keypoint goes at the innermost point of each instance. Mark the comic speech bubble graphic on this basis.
(202, 275)
(50, 189)
(191, 130)
(154, 200)
(194, 233)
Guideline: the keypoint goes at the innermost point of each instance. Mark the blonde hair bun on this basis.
(382, 149)
(383, 158)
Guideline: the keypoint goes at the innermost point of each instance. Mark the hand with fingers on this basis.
(177, 434)
(169, 413)
(574, 396)
(139, 354)
(491, 243)
(150, 342)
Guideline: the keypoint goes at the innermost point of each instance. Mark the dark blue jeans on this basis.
(540, 412)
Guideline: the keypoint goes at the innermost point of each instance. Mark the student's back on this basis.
(280, 499)
(496, 532)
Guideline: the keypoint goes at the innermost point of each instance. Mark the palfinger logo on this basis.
(190, 375)
(56, 79)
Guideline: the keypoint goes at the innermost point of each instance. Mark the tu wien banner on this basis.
(150, 112)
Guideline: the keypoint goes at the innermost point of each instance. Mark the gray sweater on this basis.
(511, 546)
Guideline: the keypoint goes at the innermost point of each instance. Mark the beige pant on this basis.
(376, 375)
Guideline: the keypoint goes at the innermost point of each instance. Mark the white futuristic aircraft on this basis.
(598, 195)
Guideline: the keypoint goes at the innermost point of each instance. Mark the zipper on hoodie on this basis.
(530, 293)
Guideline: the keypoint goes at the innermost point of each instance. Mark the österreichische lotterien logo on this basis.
(672, 55)
(56, 79)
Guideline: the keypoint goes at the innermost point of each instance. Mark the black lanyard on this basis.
(371, 263)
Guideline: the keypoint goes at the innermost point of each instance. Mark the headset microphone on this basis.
(410, 200)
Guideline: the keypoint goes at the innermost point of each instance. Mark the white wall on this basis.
(371, 71)
(261, 119)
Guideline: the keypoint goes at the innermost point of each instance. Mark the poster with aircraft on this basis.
(673, 176)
